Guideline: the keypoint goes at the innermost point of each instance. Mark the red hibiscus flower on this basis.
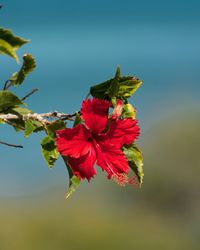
(98, 140)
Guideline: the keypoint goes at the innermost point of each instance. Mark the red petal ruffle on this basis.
(121, 132)
(95, 114)
(83, 167)
(73, 141)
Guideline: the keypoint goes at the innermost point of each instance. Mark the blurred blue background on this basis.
(78, 44)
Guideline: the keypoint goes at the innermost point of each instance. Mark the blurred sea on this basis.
(78, 44)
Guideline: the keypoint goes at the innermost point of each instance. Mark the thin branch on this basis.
(69, 117)
(11, 145)
(29, 94)
(38, 117)
(7, 85)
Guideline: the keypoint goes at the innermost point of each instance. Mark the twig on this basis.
(7, 85)
(38, 117)
(11, 145)
(29, 94)
(69, 117)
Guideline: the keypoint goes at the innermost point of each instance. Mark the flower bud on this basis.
(118, 109)
(129, 111)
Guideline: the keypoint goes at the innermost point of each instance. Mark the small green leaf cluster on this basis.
(118, 87)
(10, 103)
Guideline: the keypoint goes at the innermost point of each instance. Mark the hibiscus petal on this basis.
(95, 114)
(121, 132)
(83, 167)
(112, 160)
(73, 142)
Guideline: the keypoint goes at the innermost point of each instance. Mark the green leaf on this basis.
(109, 88)
(57, 125)
(9, 43)
(21, 111)
(49, 150)
(118, 86)
(13, 40)
(28, 66)
(100, 90)
(134, 156)
(18, 124)
(7, 49)
(128, 87)
(118, 73)
(74, 181)
(74, 184)
(32, 126)
(113, 89)
(8, 99)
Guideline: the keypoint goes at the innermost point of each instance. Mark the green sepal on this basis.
(77, 120)
(9, 43)
(135, 160)
(128, 111)
(49, 150)
(8, 99)
(57, 125)
(28, 66)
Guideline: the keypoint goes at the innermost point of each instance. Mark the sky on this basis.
(80, 43)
